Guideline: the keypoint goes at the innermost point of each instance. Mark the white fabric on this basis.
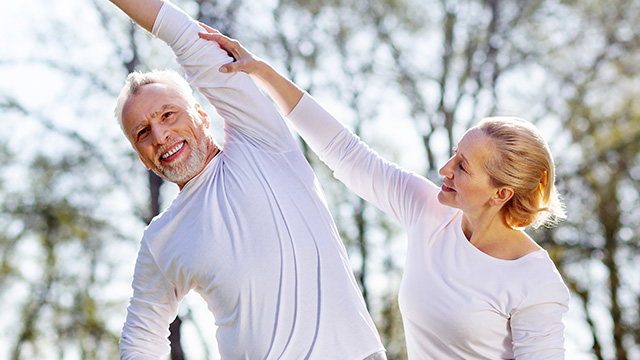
(456, 301)
(251, 234)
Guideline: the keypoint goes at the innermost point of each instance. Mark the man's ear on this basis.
(203, 115)
(145, 164)
(501, 196)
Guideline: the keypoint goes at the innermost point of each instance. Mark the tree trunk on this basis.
(174, 338)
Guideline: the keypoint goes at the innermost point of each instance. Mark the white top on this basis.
(456, 301)
(251, 234)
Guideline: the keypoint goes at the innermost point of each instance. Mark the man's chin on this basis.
(180, 176)
(177, 178)
(182, 171)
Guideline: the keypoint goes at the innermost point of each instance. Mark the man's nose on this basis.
(160, 134)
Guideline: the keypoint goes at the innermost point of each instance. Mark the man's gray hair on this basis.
(136, 80)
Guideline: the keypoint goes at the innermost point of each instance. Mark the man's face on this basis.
(170, 137)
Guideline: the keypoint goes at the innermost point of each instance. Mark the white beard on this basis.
(181, 172)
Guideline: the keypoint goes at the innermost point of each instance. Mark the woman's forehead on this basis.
(473, 137)
(475, 145)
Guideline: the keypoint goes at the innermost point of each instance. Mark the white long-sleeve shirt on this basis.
(251, 234)
(456, 301)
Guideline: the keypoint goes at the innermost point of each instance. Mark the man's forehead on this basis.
(151, 100)
(152, 90)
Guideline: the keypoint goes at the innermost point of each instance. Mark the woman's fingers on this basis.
(243, 59)
(225, 43)
(209, 28)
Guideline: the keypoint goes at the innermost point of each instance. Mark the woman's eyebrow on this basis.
(465, 161)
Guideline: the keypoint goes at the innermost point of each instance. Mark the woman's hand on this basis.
(243, 59)
(283, 91)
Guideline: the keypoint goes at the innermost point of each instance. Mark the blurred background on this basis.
(409, 76)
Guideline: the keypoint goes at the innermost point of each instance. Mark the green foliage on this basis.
(599, 179)
(65, 242)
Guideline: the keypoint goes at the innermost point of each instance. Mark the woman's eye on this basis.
(461, 167)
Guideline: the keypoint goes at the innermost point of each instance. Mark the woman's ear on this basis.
(501, 196)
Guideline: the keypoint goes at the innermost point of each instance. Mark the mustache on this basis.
(171, 142)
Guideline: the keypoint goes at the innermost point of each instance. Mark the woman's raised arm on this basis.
(283, 91)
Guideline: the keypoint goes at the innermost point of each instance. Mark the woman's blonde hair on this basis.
(523, 161)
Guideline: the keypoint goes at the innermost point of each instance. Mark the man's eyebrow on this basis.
(163, 109)
(134, 129)
(141, 125)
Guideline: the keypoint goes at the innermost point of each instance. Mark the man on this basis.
(249, 231)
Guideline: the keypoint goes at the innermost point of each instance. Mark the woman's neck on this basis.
(491, 235)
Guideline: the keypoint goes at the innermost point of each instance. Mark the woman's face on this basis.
(466, 184)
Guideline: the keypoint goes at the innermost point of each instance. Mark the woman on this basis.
(475, 285)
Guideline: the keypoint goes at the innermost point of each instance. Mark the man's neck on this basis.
(213, 151)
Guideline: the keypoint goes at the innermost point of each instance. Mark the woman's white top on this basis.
(456, 301)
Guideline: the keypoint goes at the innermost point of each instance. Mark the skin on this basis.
(170, 136)
(143, 12)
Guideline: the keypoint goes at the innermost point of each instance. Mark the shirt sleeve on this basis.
(402, 194)
(537, 327)
(151, 309)
(235, 96)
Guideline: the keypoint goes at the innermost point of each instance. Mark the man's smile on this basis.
(173, 151)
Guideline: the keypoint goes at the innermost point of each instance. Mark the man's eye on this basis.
(167, 114)
(142, 132)
(461, 167)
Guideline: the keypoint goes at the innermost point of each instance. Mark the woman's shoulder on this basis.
(521, 246)
(538, 269)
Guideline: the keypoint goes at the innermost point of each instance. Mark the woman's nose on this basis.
(445, 170)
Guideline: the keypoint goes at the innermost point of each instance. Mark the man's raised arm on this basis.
(143, 12)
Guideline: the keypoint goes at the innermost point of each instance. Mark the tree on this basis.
(601, 178)
(431, 67)
(54, 262)
(62, 245)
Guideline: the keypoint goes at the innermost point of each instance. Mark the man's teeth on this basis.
(172, 151)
